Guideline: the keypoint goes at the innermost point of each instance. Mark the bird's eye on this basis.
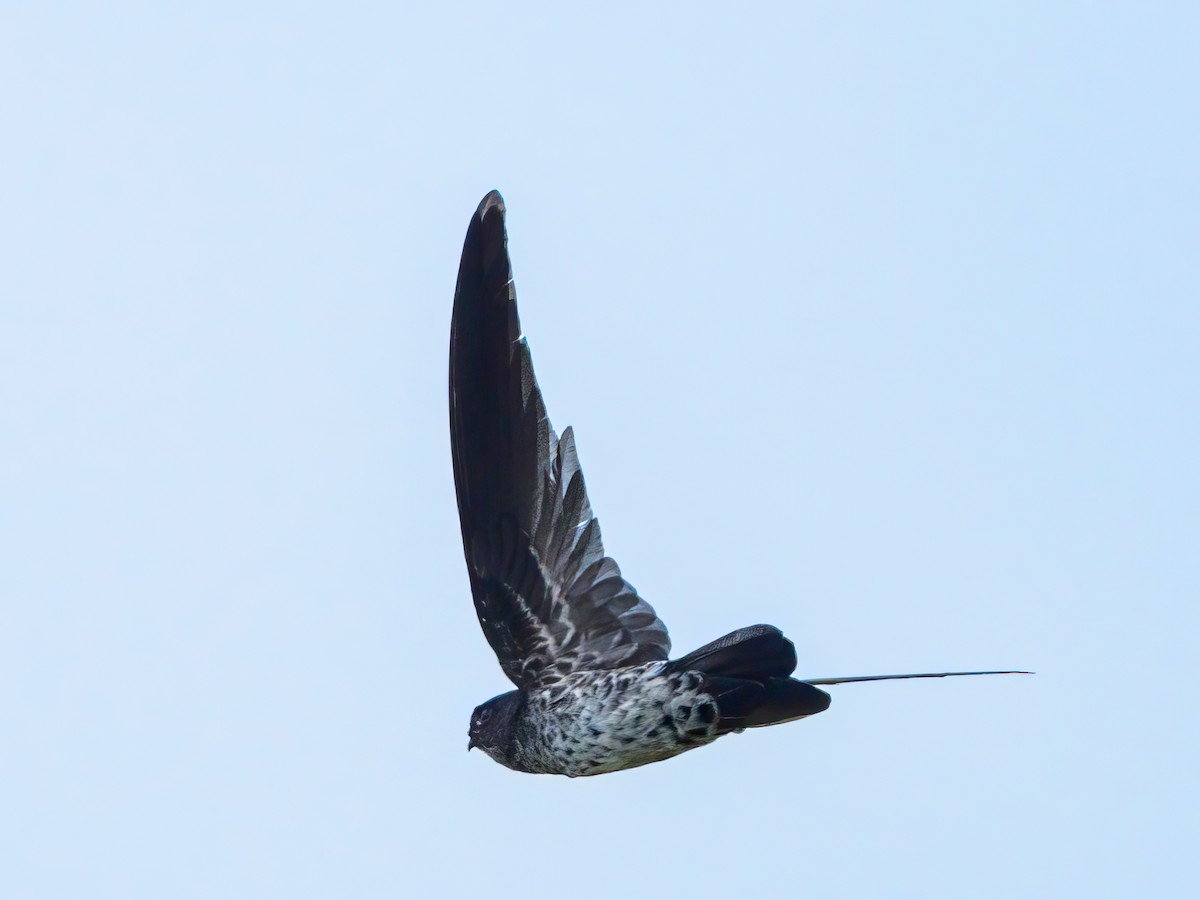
(483, 715)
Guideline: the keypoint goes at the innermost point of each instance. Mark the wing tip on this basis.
(484, 255)
(493, 200)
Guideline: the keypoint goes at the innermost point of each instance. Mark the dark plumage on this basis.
(595, 690)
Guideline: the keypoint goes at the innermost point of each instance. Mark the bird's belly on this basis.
(612, 723)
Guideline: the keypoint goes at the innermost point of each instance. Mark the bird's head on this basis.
(492, 725)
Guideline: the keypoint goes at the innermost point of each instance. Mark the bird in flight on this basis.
(596, 691)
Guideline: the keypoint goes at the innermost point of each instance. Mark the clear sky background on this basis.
(878, 322)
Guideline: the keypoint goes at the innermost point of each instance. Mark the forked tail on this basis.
(746, 673)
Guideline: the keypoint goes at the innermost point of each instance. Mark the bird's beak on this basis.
(471, 745)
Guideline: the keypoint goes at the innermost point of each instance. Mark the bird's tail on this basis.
(747, 673)
(758, 652)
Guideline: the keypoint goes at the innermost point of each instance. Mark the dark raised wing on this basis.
(549, 600)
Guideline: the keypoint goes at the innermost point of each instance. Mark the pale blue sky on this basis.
(877, 322)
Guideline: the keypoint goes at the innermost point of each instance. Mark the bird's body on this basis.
(595, 691)
(595, 722)
(589, 722)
